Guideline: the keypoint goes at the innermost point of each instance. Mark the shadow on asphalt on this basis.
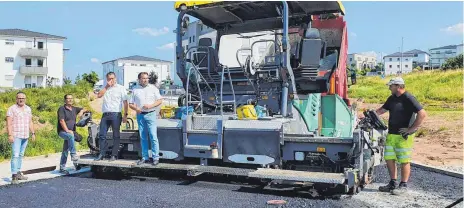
(218, 181)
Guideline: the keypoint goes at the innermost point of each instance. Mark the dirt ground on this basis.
(439, 140)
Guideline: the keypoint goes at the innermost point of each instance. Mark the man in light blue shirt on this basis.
(145, 100)
(114, 96)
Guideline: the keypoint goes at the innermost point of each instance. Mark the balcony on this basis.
(33, 52)
(33, 70)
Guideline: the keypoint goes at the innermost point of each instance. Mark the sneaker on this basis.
(389, 187)
(14, 179)
(74, 157)
(64, 172)
(20, 176)
(142, 161)
(155, 162)
(402, 189)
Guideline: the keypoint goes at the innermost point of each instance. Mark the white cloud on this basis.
(151, 31)
(168, 46)
(456, 29)
(94, 60)
(353, 34)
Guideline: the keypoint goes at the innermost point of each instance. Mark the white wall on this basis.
(393, 66)
(9, 73)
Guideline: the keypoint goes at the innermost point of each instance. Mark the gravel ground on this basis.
(426, 190)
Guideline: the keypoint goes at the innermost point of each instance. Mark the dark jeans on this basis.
(114, 120)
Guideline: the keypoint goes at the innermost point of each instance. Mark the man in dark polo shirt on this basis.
(406, 115)
(66, 126)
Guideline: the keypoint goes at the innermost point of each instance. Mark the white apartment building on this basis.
(398, 63)
(438, 56)
(128, 68)
(29, 59)
(361, 61)
(419, 58)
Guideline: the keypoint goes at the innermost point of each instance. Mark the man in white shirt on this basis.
(114, 96)
(144, 100)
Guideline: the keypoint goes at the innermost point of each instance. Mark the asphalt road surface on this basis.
(427, 189)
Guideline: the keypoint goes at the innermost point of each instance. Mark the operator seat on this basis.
(312, 49)
(201, 59)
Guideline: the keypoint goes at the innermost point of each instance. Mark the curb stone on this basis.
(438, 170)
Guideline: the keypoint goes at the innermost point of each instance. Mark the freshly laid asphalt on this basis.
(427, 189)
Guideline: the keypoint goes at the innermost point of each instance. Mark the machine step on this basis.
(292, 175)
(198, 147)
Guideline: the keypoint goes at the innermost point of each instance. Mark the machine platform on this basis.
(263, 173)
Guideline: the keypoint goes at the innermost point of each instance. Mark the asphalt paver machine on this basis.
(306, 131)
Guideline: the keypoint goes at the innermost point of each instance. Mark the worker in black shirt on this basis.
(406, 115)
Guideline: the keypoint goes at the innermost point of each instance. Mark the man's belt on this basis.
(143, 113)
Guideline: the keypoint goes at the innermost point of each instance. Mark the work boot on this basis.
(20, 176)
(402, 189)
(100, 157)
(14, 179)
(389, 187)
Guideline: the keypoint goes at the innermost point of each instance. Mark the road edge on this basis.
(438, 170)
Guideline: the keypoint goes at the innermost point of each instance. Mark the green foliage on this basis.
(454, 63)
(44, 104)
(153, 77)
(91, 78)
(436, 90)
(67, 81)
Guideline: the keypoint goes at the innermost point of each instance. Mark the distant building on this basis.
(29, 59)
(420, 58)
(361, 61)
(441, 54)
(128, 68)
(398, 63)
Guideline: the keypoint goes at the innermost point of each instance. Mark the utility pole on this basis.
(401, 61)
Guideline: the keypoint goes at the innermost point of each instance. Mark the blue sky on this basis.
(102, 31)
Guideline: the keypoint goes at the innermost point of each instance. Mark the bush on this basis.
(44, 104)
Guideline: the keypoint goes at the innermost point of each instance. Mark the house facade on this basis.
(398, 63)
(361, 61)
(30, 59)
(128, 68)
(438, 56)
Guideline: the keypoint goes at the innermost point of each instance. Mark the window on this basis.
(397, 66)
(416, 55)
(9, 42)
(406, 66)
(190, 39)
(438, 52)
(9, 59)
(407, 59)
(28, 62)
(391, 59)
(143, 65)
(397, 59)
(201, 28)
(448, 52)
(133, 64)
(351, 59)
(193, 39)
(40, 62)
(390, 66)
(40, 45)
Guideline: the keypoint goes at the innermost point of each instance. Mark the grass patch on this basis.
(436, 90)
(44, 103)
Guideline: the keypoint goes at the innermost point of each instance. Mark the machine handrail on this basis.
(260, 41)
(236, 54)
(232, 88)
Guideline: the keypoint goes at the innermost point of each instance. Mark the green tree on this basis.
(153, 77)
(67, 81)
(453, 63)
(78, 78)
(91, 78)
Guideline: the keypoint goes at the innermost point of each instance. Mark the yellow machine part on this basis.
(247, 112)
(167, 111)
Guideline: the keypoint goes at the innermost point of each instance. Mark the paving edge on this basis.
(438, 170)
